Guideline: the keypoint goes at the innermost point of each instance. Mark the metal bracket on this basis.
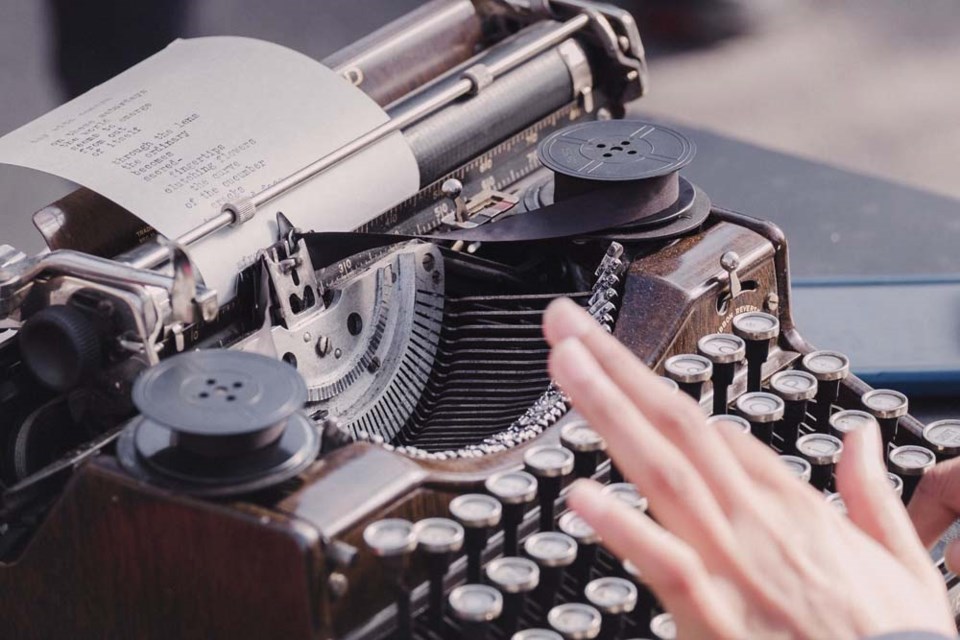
(292, 276)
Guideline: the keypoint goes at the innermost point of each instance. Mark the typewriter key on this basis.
(218, 423)
(829, 368)
(835, 500)
(887, 406)
(689, 371)
(515, 490)
(796, 388)
(757, 329)
(822, 452)
(575, 621)
(476, 606)
(514, 578)
(536, 634)
(438, 539)
(798, 466)
(672, 387)
(614, 598)
(587, 539)
(762, 410)
(663, 627)
(910, 462)
(393, 540)
(586, 444)
(895, 483)
(729, 417)
(724, 351)
(845, 421)
(478, 513)
(553, 552)
(943, 437)
(549, 463)
(628, 494)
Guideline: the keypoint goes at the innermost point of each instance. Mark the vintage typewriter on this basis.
(398, 469)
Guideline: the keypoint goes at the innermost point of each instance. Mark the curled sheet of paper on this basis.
(208, 121)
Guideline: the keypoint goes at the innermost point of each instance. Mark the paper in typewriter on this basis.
(210, 120)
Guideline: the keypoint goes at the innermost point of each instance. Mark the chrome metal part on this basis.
(377, 337)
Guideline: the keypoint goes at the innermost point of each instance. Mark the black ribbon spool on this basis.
(218, 422)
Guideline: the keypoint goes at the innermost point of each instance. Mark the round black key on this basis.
(798, 466)
(910, 462)
(476, 606)
(536, 634)
(549, 463)
(390, 538)
(835, 500)
(628, 494)
(393, 540)
(586, 444)
(829, 368)
(756, 329)
(663, 627)
(895, 483)
(575, 621)
(515, 490)
(689, 371)
(822, 451)
(553, 552)
(887, 406)
(729, 417)
(724, 351)
(614, 598)
(479, 514)
(796, 389)
(438, 540)
(943, 438)
(762, 410)
(514, 578)
(577, 528)
(845, 421)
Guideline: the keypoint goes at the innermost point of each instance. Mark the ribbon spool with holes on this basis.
(217, 422)
(639, 160)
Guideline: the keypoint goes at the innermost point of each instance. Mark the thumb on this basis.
(936, 502)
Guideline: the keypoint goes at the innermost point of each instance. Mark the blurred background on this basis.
(866, 85)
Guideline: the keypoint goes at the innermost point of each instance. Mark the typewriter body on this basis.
(423, 369)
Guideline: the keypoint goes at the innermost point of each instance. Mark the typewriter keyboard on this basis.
(510, 562)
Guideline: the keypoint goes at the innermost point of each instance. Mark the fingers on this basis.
(872, 505)
(763, 466)
(676, 416)
(671, 569)
(936, 502)
(676, 492)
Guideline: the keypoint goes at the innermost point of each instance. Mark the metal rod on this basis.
(424, 105)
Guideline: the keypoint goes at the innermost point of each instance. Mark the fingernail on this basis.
(567, 319)
(567, 359)
(872, 445)
(583, 494)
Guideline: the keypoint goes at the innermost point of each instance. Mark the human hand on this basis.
(936, 505)
(740, 547)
